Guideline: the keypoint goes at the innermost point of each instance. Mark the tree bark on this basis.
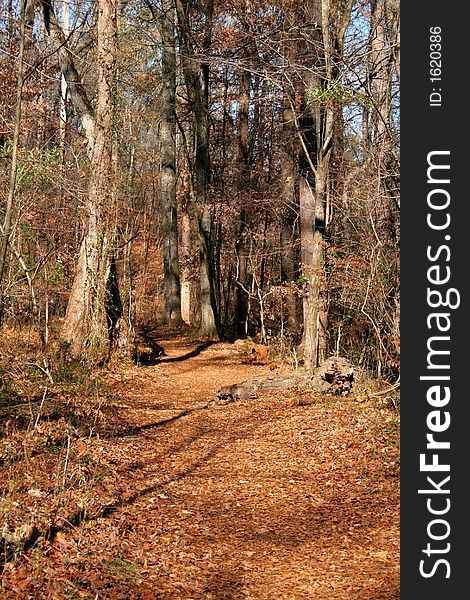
(243, 183)
(317, 123)
(186, 267)
(384, 42)
(196, 74)
(381, 73)
(63, 85)
(92, 323)
(78, 96)
(171, 278)
(288, 232)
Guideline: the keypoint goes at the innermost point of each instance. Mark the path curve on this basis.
(260, 499)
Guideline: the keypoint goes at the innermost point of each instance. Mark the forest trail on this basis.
(264, 499)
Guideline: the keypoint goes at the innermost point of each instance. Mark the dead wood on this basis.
(369, 396)
(334, 376)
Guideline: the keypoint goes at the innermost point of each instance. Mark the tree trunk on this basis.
(381, 68)
(317, 132)
(94, 308)
(186, 267)
(63, 85)
(384, 42)
(288, 233)
(171, 280)
(207, 325)
(196, 74)
(243, 183)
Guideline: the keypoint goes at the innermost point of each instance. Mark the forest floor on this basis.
(138, 485)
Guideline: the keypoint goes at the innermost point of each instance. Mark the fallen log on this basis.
(334, 376)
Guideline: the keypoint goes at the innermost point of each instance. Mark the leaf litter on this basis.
(169, 495)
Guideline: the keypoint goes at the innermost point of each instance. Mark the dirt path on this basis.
(263, 499)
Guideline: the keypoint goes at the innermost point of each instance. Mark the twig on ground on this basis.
(364, 397)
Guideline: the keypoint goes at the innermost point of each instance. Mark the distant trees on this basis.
(14, 153)
(240, 169)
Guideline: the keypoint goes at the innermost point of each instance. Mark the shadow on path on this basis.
(148, 337)
(136, 430)
(200, 348)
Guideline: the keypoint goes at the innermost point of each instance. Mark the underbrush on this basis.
(51, 416)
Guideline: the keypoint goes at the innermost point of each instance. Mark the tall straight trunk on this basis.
(392, 8)
(392, 11)
(243, 184)
(288, 233)
(384, 62)
(171, 278)
(94, 309)
(318, 135)
(381, 73)
(65, 10)
(207, 325)
(196, 75)
(312, 257)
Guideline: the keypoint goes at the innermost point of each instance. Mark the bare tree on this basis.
(14, 154)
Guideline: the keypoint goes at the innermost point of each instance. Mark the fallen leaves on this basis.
(257, 499)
